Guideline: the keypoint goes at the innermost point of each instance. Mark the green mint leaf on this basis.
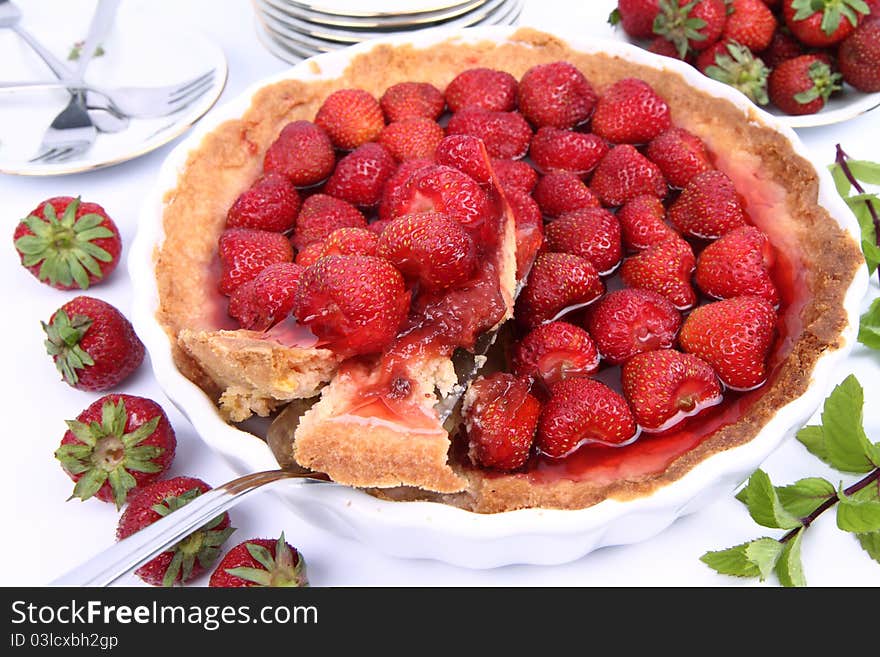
(856, 515)
(859, 206)
(848, 448)
(814, 440)
(789, 568)
(764, 553)
(871, 544)
(868, 172)
(764, 505)
(732, 561)
(803, 496)
(869, 326)
(841, 182)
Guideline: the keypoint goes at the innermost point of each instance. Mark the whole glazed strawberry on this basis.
(261, 562)
(117, 445)
(93, 345)
(68, 244)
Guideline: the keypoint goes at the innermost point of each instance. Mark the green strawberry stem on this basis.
(841, 159)
(808, 520)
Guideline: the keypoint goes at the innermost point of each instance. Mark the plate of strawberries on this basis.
(810, 62)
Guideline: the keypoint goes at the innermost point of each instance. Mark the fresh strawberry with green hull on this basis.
(117, 445)
(581, 411)
(691, 24)
(263, 302)
(505, 134)
(629, 321)
(623, 174)
(554, 149)
(708, 207)
(664, 268)
(353, 304)
(663, 46)
(555, 94)
(529, 229)
(408, 100)
(636, 17)
(351, 118)
(802, 85)
(261, 562)
(467, 154)
(555, 351)
(360, 176)
(782, 46)
(303, 153)
(822, 23)
(350, 241)
(516, 174)
(245, 252)
(750, 23)
(642, 222)
(430, 248)
(630, 112)
(500, 417)
(557, 284)
(68, 244)
(486, 88)
(191, 556)
(271, 203)
(734, 336)
(592, 233)
(321, 215)
(666, 386)
(560, 191)
(93, 345)
(680, 155)
(737, 264)
(735, 65)
(859, 57)
(412, 138)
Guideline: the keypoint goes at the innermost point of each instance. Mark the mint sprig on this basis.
(847, 173)
(840, 441)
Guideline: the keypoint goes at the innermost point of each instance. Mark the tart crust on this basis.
(783, 203)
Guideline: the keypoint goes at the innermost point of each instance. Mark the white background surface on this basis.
(57, 535)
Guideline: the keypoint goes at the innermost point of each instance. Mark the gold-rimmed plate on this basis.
(387, 22)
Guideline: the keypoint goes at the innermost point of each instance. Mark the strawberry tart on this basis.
(641, 272)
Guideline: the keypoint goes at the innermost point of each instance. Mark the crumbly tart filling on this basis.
(259, 373)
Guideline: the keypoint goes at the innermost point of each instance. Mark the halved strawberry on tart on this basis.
(677, 277)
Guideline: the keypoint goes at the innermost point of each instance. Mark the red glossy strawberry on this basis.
(664, 268)
(782, 46)
(396, 186)
(271, 203)
(859, 57)
(750, 23)
(555, 351)
(666, 386)
(321, 215)
(558, 283)
(482, 87)
(261, 562)
(116, 445)
(680, 155)
(191, 556)
(303, 153)
(734, 336)
(360, 176)
(529, 229)
(822, 23)
(515, 174)
(353, 304)
(624, 173)
(467, 154)
(68, 244)
(559, 192)
(630, 112)
(351, 118)
(735, 65)
(500, 417)
(430, 248)
(408, 100)
(309, 255)
(802, 85)
(555, 94)
(582, 411)
(554, 149)
(245, 252)
(708, 207)
(592, 233)
(505, 134)
(663, 46)
(629, 321)
(263, 302)
(691, 24)
(642, 222)
(412, 138)
(350, 241)
(93, 345)
(636, 17)
(739, 263)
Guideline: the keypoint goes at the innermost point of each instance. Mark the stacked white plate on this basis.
(296, 29)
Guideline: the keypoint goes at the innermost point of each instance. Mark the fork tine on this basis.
(181, 102)
(42, 157)
(61, 155)
(194, 89)
(209, 76)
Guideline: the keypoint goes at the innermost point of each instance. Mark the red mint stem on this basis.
(841, 160)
